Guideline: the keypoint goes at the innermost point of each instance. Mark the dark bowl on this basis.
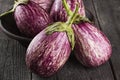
(10, 29)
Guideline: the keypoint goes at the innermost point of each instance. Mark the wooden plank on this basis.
(108, 12)
(12, 61)
(37, 77)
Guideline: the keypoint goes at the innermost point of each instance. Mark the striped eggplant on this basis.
(46, 4)
(92, 47)
(51, 48)
(58, 12)
(46, 54)
(31, 18)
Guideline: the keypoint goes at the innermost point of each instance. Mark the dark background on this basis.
(107, 18)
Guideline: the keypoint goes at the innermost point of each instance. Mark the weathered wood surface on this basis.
(107, 17)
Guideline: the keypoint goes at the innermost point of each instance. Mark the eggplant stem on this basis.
(10, 11)
(69, 13)
(16, 3)
(22, 1)
(68, 10)
(6, 13)
(72, 18)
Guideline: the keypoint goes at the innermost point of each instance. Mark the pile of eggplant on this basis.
(57, 28)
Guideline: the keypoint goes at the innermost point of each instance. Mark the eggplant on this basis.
(46, 54)
(45, 4)
(58, 12)
(92, 47)
(31, 18)
(51, 48)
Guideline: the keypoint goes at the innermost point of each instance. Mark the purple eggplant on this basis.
(92, 47)
(51, 48)
(31, 19)
(46, 54)
(46, 4)
(58, 12)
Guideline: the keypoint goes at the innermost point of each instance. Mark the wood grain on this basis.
(12, 61)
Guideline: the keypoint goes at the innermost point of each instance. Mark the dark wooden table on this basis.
(107, 18)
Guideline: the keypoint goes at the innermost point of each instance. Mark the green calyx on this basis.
(16, 3)
(79, 18)
(64, 27)
(22, 1)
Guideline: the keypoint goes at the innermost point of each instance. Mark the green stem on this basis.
(72, 18)
(69, 13)
(6, 13)
(22, 1)
(65, 27)
(16, 3)
(68, 10)
(10, 11)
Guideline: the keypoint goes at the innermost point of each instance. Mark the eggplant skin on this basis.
(46, 4)
(46, 54)
(58, 12)
(92, 47)
(31, 19)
